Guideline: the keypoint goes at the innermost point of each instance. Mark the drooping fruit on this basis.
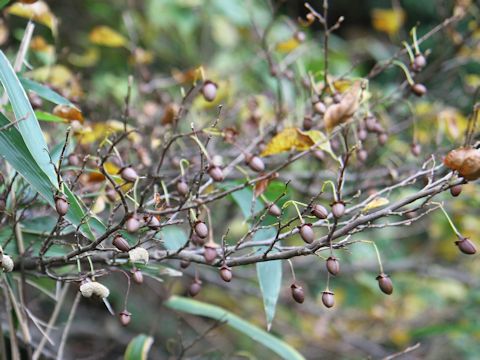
(333, 265)
(274, 210)
(319, 107)
(455, 190)
(466, 246)
(319, 211)
(210, 252)
(216, 173)
(201, 229)
(120, 243)
(132, 224)
(209, 90)
(255, 163)
(362, 155)
(338, 209)
(385, 283)
(297, 293)
(61, 205)
(129, 174)
(194, 288)
(416, 149)
(125, 317)
(328, 298)
(307, 234)
(182, 187)
(418, 63)
(226, 273)
(184, 264)
(419, 89)
(137, 276)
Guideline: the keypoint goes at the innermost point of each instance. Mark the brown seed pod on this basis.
(197, 240)
(385, 283)
(328, 298)
(184, 264)
(194, 288)
(297, 293)
(319, 107)
(419, 89)
(255, 163)
(418, 63)
(182, 187)
(152, 222)
(120, 243)
(274, 210)
(306, 232)
(370, 123)
(61, 205)
(455, 190)
(125, 317)
(132, 224)
(73, 160)
(466, 161)
(307, 122)
(362, 155)
(333, 265)
(338, 209)
(362, 134)
(226, 273)
(382, 138)
(466, 246)
(129, 174)
(209, 90)
(137, 276)
(210, 252)
(111, 195)
(201, 229)
(216, 173)
(319, 211)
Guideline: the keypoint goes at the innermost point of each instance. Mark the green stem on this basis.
(334, 191)
(452, 225)
(182, 169)
(202, 148)
(409, 51)
(376, 252)
(415, 41)
(165, 191)
(405, 70)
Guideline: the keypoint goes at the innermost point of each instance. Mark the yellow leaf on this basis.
(100, 131)
(141, 57)
(295, 139)
(106, 36)
(89, 58)
(60, 77)
(375, 203)
(38, 12)
(287, 45)
(454, 121)
(388, 20)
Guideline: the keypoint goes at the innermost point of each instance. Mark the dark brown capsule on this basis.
(319, 211)
(201, 229)
(307, 123)
(194, 288)
(132, 224)
(455, 190)
(419, 89)
(274, 210)
(328, 298)
(209, 252)
(416, 149)
(197, 240)
(466, 246)
(226, 273)
(61, 205)
(319, 107)
(182, 187)
(120, 243)
(333, 265)
(209, 90)
(137, 276)
(216, 173)
(125, 317)
(256, 164)
(307, 234)
(297, 293)
(129, 174)
(338, 209)
(385, 283)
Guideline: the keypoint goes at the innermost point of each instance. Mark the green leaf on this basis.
(27, 122)
(138, 348)
(269, 274)
(45, 116)
(3, 3)
(198, 308)
(173, 237)
(243, 198)
(45, 92)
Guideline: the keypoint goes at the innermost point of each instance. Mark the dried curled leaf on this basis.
(68, 113)
(38, 12)
(94, 288)
(375, 203)
(341, 112)
(466, 161)
(295, 139)
(106, 36)
(262, 185)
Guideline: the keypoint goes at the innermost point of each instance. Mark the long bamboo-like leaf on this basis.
(195, 307)
(45, 92)
(138, 348)
(27, 122)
